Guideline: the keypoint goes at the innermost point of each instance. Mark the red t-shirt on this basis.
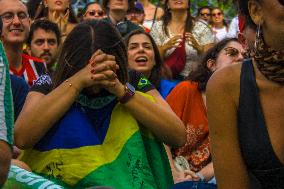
(31, 69)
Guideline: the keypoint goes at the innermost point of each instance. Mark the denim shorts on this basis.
(194, 185)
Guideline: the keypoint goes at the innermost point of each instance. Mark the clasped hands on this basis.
(175, 42)
(100, 73)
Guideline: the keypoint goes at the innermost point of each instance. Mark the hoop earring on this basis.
(257, 36)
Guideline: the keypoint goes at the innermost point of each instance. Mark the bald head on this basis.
(10, 3)
(16, 22)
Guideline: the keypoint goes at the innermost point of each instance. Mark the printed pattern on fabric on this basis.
(43, 80)
(31, 69)
(201, 32)
(6, 106)
(87, 154)
(186, 101)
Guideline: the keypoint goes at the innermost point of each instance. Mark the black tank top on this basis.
(264, 167)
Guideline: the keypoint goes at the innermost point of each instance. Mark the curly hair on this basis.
(202, 74)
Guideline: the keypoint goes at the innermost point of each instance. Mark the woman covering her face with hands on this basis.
(89, 115)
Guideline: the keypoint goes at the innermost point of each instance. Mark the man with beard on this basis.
(43, 42)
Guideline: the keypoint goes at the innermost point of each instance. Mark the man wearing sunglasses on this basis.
(116, 12)
(16, 26)
(204, 14)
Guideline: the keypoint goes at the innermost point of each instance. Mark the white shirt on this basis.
(201, 32)
(219, 33)
(233, 28)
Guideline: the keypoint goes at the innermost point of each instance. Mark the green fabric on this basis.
(8, 101)
(21, 179)
(143, 82)
(146, 161)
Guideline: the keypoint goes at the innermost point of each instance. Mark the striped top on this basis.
(6, 105)
(31, 69)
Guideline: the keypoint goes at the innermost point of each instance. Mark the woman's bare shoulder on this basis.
(226, 81)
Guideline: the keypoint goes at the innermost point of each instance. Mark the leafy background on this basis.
(226, 5)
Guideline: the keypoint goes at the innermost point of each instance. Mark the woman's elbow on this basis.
(21, 142)
(181, 135)
(178, 135)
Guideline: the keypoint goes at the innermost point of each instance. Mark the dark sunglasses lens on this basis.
(100, 13)
(281, 2)
(219, 14)
(92, 13)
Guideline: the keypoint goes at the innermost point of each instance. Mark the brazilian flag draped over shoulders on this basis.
(102, 147)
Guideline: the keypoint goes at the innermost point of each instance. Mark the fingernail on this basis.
(93, 64)
(93, 71)
(92, 78)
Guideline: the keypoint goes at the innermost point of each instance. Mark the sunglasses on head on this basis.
(205, 14)
(217, 14)
(231, 51)
(94, 13)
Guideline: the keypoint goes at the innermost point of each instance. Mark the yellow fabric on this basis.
(71, 165)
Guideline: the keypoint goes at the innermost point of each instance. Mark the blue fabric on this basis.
(20, 91)
(166, 87)
(194, 185)
(81, 126)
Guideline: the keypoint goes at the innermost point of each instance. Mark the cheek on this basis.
(131, 60)
(151, 59)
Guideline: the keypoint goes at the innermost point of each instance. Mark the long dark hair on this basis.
(224, 21)
(202, 74)
(155, 76)
(244, 11)
(86, 38)
(37, 10)
(167, 17)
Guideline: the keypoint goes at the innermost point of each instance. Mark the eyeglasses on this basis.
(134, 14)
(232, 52)
(205, 14)
(8, 17)
(281, 2)
(217, 14)
(94, 13)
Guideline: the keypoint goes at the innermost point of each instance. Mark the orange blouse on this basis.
(186, 101)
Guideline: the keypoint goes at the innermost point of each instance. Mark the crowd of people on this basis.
(132, 94)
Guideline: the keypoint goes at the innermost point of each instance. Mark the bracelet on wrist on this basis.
(71, 85)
